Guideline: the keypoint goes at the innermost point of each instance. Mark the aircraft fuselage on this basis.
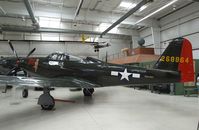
(104, 74)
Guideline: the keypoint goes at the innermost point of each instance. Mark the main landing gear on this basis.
(25, 93)
(88, 91)
(96, 50)
(46, 101)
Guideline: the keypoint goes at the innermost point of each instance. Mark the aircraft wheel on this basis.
(25, 93)
(88, 91)
(49, 106)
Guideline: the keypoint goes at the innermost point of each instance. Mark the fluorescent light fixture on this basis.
(49, 22)
(49, 19)
(142, 8)
(94, 39)
(151, 14)
(133, 5)
(124, 4)
(104, 26)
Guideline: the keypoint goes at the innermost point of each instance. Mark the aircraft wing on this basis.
(70, 82)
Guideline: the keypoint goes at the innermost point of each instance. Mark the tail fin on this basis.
(178, 57)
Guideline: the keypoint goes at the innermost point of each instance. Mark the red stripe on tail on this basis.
(186, 62)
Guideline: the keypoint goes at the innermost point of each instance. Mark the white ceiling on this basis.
(92, 11)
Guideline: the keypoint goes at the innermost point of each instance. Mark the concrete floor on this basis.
(112, 108)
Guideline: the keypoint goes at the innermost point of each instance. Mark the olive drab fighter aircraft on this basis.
(64, 70)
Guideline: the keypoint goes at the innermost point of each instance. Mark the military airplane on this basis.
(64, 70)
(99, 45)
(96, 45)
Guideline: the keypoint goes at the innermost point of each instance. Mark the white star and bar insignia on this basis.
(125, 74)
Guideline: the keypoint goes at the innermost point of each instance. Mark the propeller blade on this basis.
(30, 53)
(11, 46)
(106, 56)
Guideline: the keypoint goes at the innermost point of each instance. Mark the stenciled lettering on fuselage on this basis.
(125, 74)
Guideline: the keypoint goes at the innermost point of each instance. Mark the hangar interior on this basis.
(72, 26)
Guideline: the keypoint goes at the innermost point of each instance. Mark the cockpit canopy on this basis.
(67, 57)
(63, 56)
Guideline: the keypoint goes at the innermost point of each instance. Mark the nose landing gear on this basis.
(46, 101)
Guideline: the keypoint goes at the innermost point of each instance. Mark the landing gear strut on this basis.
(96, 50)
(88, 91)
(25, 93)
(46, 101)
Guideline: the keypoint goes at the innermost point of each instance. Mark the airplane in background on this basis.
(64, 70)
(94, 42)
(99, 45)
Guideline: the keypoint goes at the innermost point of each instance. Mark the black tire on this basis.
(48, 107)
(25, 93)
(88, 91)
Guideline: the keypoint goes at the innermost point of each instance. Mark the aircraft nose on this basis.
(3, 62)
(27, 62)
(30, 64)
(17, 62)
(21, 62)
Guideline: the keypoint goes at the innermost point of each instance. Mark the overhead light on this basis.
(142, 8)
(23, 18)
(151, 14)
(49, 19)
(49, 22)
(124, 4)
(174, 7)
(104, 26)
(94, 39)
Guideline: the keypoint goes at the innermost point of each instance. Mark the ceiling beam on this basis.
(30, 11)
(78, 8)
(30, 29)
(130, 12)
(91, 17)
(44, 30)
